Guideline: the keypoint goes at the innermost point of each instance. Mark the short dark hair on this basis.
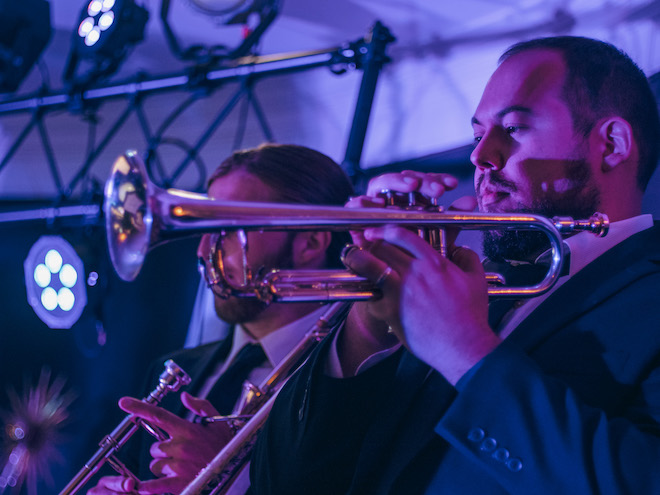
(602, 81)
(298, 175)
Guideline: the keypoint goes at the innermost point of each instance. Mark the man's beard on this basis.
(239, 310)
(525, 245)
(236, 310)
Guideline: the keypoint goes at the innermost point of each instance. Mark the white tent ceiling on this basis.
(443, 55)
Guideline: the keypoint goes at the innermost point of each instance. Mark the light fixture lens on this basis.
(68, 276)
(106, 20)
(85, 27)
(53, 260)
(65, 299)
(107, 5)
(94, 7)
(49, 298)
(93, 36)
(42, 275)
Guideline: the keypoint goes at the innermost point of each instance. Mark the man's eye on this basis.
(511, 129)
(477, 139)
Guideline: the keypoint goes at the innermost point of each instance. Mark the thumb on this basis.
(161, 485)
(467, 260)
(464, 203)
(200, 407)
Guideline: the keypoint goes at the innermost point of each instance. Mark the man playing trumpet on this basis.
(269, 173)
(424, 391)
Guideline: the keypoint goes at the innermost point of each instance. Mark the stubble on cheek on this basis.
(560, 186)
(555, 181)
(575, 194)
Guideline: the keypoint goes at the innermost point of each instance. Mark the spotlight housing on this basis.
(24, 33)
(255, 15)
(55, 282)
(106, 30)
(217, 8)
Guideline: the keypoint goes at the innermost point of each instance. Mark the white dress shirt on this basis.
(276, 346)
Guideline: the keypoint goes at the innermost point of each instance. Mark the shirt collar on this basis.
(277, 344)
(586, 247)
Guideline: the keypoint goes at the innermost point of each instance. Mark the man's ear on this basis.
(617, 138)
(309, 249)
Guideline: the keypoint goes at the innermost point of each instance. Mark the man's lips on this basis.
(490, 197)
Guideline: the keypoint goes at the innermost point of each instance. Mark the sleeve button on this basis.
(514, 464)
(501, 454)
(489, 444)
(476, 435)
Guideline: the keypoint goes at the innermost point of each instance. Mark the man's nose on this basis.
(491, 151)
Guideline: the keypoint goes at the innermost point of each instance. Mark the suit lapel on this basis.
(200, 365)
(589, 287)
(395, 437)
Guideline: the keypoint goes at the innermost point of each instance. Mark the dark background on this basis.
(104, 355)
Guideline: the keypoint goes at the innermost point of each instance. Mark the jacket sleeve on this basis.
(575, 409)
(534, 434)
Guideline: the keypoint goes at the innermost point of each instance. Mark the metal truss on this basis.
(367, 54)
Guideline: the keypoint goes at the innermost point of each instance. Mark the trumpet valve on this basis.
(417, 201)
(413, 200)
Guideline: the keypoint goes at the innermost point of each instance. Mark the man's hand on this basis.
(112, 485)
(432, 185)
(443, 308)
(375, 325)
(177, 460)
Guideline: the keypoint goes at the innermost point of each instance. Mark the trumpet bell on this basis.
(128, 217)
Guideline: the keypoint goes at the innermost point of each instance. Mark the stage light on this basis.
(55, 282)
(255, 15)
(106, 30)
(24, 33)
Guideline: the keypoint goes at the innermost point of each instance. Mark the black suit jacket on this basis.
(569, 403)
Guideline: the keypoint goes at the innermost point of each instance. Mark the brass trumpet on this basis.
(140, 216)
(170, 380)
